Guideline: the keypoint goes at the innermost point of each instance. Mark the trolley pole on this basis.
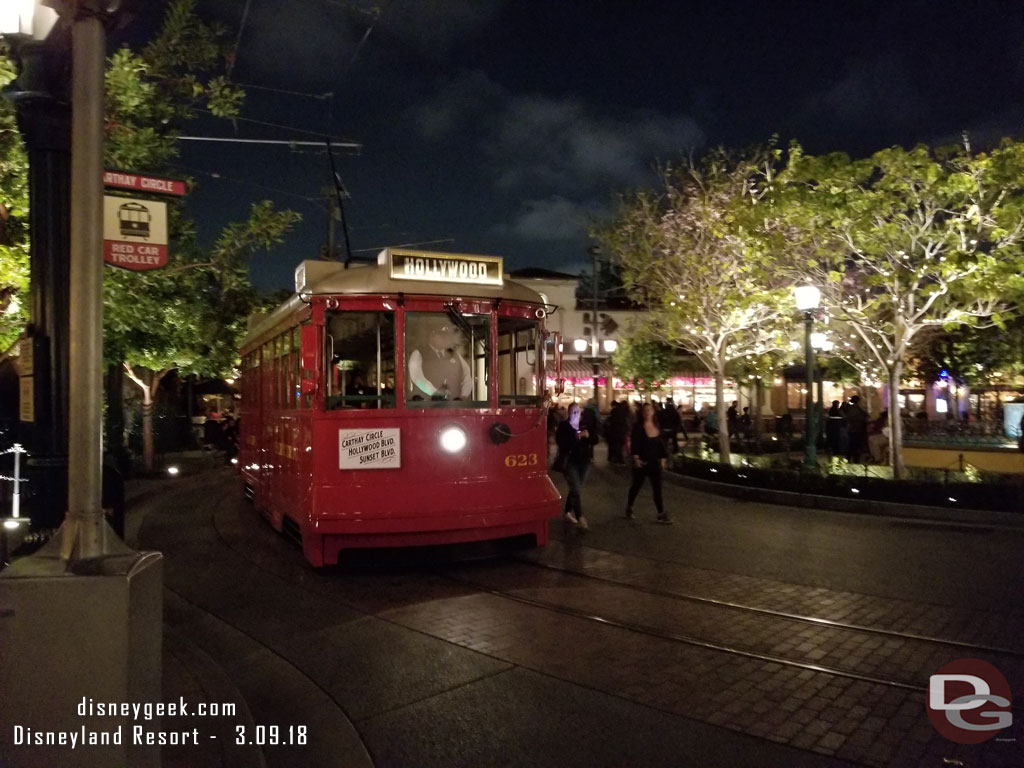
(84, 534)
(83, 615)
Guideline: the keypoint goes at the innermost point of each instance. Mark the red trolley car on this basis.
(399, 404)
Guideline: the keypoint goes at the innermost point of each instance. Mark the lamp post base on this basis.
(93, 632)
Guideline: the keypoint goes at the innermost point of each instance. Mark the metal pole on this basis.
(819, 412)
(593, 330)
(84, 531)
(16, 500)
(810, 433)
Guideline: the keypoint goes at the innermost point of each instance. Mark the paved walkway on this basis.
(632, 644)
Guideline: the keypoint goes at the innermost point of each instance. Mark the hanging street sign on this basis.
(138, 182)
(134, 233)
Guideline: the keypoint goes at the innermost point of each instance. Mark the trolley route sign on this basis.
(369, 448)
(445, 267)
(140, 183)
(134, 233)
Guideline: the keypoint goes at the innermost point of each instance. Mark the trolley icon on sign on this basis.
(133, 220)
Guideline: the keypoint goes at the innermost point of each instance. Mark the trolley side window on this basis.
(519, 350)
(360, 360)
(446, 359)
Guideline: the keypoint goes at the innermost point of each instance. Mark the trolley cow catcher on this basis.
(381, 405)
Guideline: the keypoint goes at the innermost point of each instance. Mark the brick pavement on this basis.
(975, 627)
(833, 716)
(851, 719)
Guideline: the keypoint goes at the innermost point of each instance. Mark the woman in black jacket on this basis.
(649, 456)
(575, 438)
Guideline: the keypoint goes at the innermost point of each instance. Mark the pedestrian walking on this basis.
(856, 430)
(616, 430)
(671, 425)
(835, 422)
(649, 455)
(732, 419)
(575, 452)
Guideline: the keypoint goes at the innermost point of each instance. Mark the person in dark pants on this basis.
(732, 419)
(835, 422)
(649, 456)
(856, 430)
(616, 430)
(576, 450)
(229, 438)
(671, 425)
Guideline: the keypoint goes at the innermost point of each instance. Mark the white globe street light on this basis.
(26, 19)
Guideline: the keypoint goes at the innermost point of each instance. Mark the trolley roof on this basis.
(316, 278)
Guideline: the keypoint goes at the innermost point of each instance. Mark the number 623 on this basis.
(521, 460)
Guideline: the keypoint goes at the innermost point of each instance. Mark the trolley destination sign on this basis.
(134, 233)
(369, 448)
(445, 267)
(141, 183)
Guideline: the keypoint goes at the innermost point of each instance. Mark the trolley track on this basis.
(709, 643)
(795, 617)
(920, 647)
(387, 597)
(717, 644)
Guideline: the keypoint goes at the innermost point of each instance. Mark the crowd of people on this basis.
(220, 433)
(850, 432)
(643, 438)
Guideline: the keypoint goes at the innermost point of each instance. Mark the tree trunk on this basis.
(899, 469)
(148, 383)
(148, 451)
(724, 455)
(758, 408)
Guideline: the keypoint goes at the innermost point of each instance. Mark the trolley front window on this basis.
(446, 359)
(360, 360)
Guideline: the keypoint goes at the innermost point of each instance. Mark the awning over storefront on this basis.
(575, 369)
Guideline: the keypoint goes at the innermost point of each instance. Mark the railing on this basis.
(952, 432)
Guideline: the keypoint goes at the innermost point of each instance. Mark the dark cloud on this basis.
(433, 27)
(876, 94)
(551, 219)
(553, 156)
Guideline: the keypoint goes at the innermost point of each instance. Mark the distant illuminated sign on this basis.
(446, 267)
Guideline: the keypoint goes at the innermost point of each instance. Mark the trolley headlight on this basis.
(452, 439)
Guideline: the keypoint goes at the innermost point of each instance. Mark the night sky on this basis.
(508, 127)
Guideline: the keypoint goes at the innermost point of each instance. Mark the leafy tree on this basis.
(972, 356)
(149, 96)
(905, 241)
(14, 259)
(191, 314)
(698, 256)
(644, 361)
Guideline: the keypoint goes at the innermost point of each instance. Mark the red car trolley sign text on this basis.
(134, 233)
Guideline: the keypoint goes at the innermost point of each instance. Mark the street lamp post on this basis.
(821, 343)
(44, 121)
(83, 614)
(807, 299)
